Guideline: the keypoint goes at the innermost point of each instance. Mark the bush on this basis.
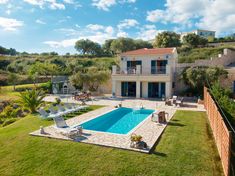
(46, 87)
(8, 122)
(22, 89)
(58, 101)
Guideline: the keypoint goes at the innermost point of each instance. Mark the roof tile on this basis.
(145, 51)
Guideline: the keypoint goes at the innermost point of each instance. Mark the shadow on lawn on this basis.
(159, 154)
(176, 124)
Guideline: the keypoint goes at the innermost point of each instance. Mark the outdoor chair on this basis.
(163, 116)
(168, 102)
(179, 103)
(174, 99)
(68, 131)
(155, 117)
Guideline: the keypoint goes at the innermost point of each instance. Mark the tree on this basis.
(88, 47)
(122, 45)
(167, 39)
(13, 79)
(91, 79)
(142, 44)
(193, 40)
(32, 99)
(107, 46)
(44, 69)
(197, 77)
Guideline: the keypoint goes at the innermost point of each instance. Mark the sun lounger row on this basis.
(62, 110)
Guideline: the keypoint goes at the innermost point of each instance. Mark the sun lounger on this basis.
(46, 115)
(53, 111)
(68, 131)
(63, 110)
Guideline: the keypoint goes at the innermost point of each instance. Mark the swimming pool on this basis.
(119, 121)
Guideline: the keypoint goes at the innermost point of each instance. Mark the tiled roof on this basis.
(144, 51)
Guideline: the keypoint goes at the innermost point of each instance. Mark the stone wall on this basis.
(223, 60)
(222, 136)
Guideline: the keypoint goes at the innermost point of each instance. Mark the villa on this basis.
(202, 33)
(147, 73)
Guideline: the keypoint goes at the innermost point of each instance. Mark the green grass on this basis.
(7, 92)
(186, 148)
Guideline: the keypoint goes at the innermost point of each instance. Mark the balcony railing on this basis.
(157, 70)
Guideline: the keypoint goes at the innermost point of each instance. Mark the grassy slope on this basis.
(7, 93)
(200, 53)
(186, 148)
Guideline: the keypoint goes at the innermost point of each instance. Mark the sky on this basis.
(55, 25)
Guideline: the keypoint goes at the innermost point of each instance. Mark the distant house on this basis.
(61, 85)
(147, 73)
(210, 35)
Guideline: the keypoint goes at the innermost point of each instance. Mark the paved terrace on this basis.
(150, 131)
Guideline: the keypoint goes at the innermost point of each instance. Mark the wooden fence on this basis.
(223, 137)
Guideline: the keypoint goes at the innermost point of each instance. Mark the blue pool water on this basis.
(120, 121)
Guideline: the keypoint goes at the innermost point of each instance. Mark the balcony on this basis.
(138, 70)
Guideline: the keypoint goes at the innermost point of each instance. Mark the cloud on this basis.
(122, 34)
(103, 4)
(148, 32)
(69, 31)
(106, 4)
(216, 15)
(63, 43)
(219, 16)
(52, 4)
(3, 1)
(94, 32)
(127, 23)
(40, 21)
(68, 1)
(10, 24)
(95, 27)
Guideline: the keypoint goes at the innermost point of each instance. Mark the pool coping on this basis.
(120, 141)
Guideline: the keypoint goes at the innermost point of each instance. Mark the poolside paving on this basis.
(150, 131)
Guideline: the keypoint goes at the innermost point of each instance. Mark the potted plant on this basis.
(135, 140)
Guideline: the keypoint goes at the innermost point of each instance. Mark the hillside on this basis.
(187, 55)
(66, 65)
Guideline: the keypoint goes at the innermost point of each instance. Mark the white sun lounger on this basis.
(63, 110)
(46, 115)
(68, 131)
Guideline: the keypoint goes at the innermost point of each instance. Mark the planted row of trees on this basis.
(110, 47)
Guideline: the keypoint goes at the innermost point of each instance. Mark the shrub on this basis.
(9, 112)
(58, 100)
(46, 87)
(8, 122)
(22, 89)
(32, 99)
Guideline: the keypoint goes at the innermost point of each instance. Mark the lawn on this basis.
(7, 92)
(186, 148)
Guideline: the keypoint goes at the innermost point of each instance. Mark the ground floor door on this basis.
(156, 89)
(128, 89)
